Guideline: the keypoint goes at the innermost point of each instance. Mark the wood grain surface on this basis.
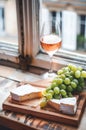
(32, 107)
(18, 121)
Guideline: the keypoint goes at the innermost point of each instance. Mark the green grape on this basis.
(48, 88)
(76, 81)
(43, 102)
(72, 67)
(67, 81)
(81, 79)
(67, 73)
(82, 84)
(63, 92)
(69, 88)
(62, 86)
(54, 80)
(70, 94)
(70, 77)
(44, 92)
(53, 85)
(60, 72)
(79, 88)
(73, 84)
(57, 96)
(59, 81)
(51, 91)
(77, 74)
(56, 90)
(66, 69)
(63, 76)
(83, 74)
(49, 96)
(66, 96)
(79, 68)
(72, 72)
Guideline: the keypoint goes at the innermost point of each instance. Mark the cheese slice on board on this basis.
(25, 92)
(55, 103)
(68, 105)
(65, 105)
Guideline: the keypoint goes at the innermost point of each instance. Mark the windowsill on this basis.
(9, 56)
(43, 61)
(17, 74)
(60, 59)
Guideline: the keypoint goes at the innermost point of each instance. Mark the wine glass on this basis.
(50, 41)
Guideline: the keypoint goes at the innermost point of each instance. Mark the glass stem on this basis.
(51, 64)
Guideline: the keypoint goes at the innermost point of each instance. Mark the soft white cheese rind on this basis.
(24, 89)
(65, 105)
(68, 105)
(25, 92)
(55, 104)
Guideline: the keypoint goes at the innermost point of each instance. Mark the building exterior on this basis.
(8, 20)
(71, 15)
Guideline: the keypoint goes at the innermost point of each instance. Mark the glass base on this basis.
(48, 75)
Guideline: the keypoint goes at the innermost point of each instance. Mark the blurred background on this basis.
(8, 22)
(71, 15)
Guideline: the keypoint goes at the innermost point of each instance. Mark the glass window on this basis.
(81, 37)
(21, 30)
(72, 22)
(68, 22)
(8, 25)
(2, 26)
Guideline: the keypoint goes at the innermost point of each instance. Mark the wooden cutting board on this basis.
(32, 107)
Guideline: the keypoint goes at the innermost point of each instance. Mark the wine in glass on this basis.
(50, 41)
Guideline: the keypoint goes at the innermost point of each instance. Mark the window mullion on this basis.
(19, 7)
(31, 27)
(35, 23)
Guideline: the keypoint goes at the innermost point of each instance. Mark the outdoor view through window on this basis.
(71, 16)
(8, 22)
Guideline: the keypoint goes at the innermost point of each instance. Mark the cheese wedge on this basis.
(65, 105)
(68, 105)
(25, 92)
(55, 103)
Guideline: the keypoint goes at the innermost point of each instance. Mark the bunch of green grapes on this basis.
(69, 80)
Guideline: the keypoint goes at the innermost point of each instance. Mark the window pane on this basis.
(72, 20)
(8, 22)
